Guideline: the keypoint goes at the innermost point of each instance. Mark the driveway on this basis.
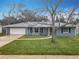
(7, 39)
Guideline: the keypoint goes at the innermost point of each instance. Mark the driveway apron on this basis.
(7, 39)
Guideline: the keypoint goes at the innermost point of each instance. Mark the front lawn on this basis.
(63, 46)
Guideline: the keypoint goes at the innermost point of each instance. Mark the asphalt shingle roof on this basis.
(37, 24)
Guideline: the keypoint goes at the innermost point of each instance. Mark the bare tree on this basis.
(14, 10)
(52, 9)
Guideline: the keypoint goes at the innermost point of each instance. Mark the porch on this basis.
(39, 31)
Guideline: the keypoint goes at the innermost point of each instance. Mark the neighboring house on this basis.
(40, 28)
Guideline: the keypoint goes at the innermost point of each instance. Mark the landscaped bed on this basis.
(63, 46)
(2, 34)
(33, 37)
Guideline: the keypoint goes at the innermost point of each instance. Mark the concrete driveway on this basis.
(7, 39)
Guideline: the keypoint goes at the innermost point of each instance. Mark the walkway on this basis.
(38, 57)
(7, 39)
(35, 38)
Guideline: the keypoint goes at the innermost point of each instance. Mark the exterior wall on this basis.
(26, 31)
(59, 33)
(45, 31)
(77, 29)
(7, 31)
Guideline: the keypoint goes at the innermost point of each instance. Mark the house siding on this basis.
(77, 29)
(59, 33)
(45, 31)
(8, 31)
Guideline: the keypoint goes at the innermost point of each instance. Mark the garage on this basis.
(17, 31)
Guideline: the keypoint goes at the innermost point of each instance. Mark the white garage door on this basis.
(17, 30)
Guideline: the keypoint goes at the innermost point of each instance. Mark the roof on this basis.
(38, 24)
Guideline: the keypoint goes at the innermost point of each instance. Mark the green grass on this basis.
(63, 46)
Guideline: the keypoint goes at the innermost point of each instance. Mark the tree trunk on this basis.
(53, 30)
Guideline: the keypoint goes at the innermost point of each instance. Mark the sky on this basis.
(34, 4)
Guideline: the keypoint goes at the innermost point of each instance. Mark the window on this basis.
(51, 30)
(36, 30)
(41, 30)
(66, 30)
(61, 30)
(69, 30)
(31, 30)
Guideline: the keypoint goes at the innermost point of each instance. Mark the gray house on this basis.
(40, 28)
